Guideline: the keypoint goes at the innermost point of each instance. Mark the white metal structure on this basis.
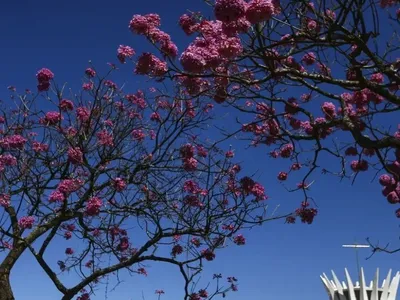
(361, 291)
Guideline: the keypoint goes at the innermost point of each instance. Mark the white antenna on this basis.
(356, 246)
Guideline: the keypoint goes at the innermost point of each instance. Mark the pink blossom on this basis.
(306, 214)
(191, 187)
(386, 180)
(43, 86)
(196, 242)
(377, 77)
(90, 72)
(124, 52)
(142, 271)
(190, 164)
(229, 154)
(330, 14)
(232, 28)
(155, 116)
(119, 184)
(56, 196)
(8, 160)
(351, 151)
(69, 251)
(169, 49)
(359, 165)
(309, 58)
(282, 176)
(5, 200)
(26, 222)
(229, 10)
(110, 84)
(75, 156)
(105, 138)
(203, 293)
(259, 192)
(138, 135)
(286, 150)
(393, 197)
(44, 75)
(142, 24)
(66, 105)
(13, 142)
(329, 109)
(312, 25)
(68, 186)
(148, 64)
(295, 167)
(88, 86)
(53, 118)
(123, 244)
(187, 151)
(176, 250)
(68, 235)
(239, 240)
(259, 11)
(83, 114)
(158, 36)
(188, 24)
(93, 206)
(230, 47)
(208, 254)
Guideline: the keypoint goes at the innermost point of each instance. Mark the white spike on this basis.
(328, 288)
(363, 288)
(393, 287)
(374, 294)
(385, 285)
(352, 295)
(339, 287)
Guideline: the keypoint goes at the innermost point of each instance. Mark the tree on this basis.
(125, 175)
(320, 80)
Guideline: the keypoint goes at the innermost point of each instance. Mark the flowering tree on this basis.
(120, 179)
(318, 79)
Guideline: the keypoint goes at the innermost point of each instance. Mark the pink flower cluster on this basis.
(147, 25)
(65, 188)
(26, 222)
(5, 200)
(119, 184)
(93, 206)
(138, 135)
(66, 105)
(83, 114)
(52, 118)
(249, 186)
(188, 24)
(7, 160)
(148, 64)
(305, 214)
(68, 186)
(187, 155)
(75, 156)
(239, 240)
(13, 142)
(44, 76)
(90, 72)
(124, 52)
(105, 138)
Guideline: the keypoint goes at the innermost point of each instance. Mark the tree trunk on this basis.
(5, 287)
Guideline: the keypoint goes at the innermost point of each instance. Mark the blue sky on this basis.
(279, 261)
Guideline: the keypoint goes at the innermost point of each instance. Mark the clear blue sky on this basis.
(279, 261)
